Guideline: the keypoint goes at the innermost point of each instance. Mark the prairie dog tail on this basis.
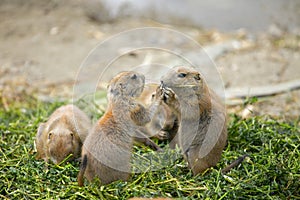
(234, 164)
(80, 177)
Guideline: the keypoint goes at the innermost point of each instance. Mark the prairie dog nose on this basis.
(133, 76)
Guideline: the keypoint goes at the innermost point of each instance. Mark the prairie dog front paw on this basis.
(168, 96)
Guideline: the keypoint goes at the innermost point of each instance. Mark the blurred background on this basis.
(254, 44)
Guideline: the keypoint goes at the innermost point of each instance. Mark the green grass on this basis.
(271, 172)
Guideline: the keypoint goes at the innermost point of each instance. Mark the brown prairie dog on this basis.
(146, 98)
(62, 134)
(107, 150)
(163, 124)
(202, 132)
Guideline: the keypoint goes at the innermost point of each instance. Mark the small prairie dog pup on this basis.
(202, 132)
(106, 152)
(163, 124)
(62, 134)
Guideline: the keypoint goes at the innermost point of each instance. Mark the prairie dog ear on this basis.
(41, 129)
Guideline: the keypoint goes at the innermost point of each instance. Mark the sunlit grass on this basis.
(271, 172)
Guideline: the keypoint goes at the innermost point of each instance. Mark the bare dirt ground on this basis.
(43, 43)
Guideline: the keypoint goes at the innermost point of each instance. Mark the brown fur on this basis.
(108, 147)
(62, 134)
(202, 131)
(163, 125)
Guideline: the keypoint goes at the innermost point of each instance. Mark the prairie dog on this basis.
(202, 132)
(107, 150)
(63, 134)
(163, 124)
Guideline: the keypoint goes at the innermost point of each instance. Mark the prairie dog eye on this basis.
(122, 86)
(182, 75)
(49, 135)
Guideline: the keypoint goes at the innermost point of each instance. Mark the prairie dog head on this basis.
(130, 84)
(182, 78)
(62, 140)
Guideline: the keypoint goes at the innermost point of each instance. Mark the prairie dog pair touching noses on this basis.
(195, 122)
(63, 134)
